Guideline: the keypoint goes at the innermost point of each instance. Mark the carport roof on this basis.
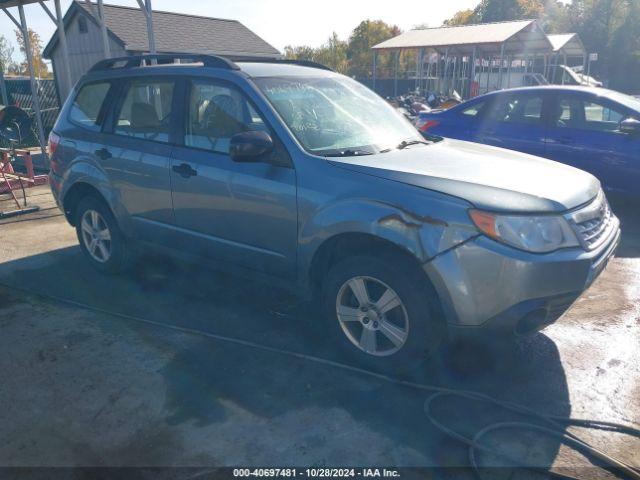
(522, 36)
(15, 3)
(568, 43)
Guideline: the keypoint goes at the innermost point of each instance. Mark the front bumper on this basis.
(486, 286)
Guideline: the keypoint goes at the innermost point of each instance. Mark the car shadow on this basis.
(315, 407)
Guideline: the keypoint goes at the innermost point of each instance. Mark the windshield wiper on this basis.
(407, 143)
(348, 153)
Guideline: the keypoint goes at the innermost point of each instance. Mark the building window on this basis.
(82, 25)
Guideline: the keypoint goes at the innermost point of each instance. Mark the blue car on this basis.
(594, 129)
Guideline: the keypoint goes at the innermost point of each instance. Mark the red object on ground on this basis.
(10, 180)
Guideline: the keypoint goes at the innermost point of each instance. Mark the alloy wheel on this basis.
(96, 236)
(372, 316)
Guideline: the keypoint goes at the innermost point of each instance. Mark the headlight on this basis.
(536, 234)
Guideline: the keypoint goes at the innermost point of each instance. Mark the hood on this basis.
(490, 178)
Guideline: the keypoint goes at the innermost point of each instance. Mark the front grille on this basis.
(593, 223)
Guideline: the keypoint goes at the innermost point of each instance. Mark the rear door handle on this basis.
(184, 170)
(103, 153)
(565, 140)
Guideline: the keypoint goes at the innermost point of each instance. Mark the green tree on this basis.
(333, 54)
(506, 10)
(463, 17)
(363, 37)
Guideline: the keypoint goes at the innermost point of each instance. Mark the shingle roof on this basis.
(463, 37)
(176, 32)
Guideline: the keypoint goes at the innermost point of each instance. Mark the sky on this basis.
(279, 22)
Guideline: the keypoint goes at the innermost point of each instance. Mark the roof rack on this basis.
(302, 63)
(133, 61)
(214, 61)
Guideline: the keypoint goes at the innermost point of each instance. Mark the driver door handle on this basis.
(103, 153)
(184, 170)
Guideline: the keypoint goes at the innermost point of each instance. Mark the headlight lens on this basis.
(538, 234)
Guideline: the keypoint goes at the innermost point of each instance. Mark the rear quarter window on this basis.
(86, 107)
(473, 110)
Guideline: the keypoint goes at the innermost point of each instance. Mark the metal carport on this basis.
(453, 54)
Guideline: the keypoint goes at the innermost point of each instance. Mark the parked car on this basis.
(307, 178)
(596, 130)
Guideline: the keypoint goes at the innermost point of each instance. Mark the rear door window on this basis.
(86, 107)
(525, 109)
(146, 110)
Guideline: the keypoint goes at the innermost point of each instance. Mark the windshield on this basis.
(337, 115)
(626, 100)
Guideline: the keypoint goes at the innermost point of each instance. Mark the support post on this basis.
(145, 6)
(421, 70)
(103, 29)
(500, 68)
(472, 71)
(446, 67)
(373, 73)
(509, 60)
(34, 87)
(396, 60)
(65, 49)
(429, 74)
(3, 87)
(452, 85)
(489, 66)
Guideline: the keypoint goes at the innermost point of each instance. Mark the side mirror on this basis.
(250, 146)
(630, 126)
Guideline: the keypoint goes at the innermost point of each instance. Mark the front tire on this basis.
(101, 240)
(382, 313)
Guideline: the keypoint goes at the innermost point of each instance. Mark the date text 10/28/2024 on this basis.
(316, 472)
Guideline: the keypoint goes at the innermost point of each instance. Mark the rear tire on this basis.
(101, 240)
(382, 313)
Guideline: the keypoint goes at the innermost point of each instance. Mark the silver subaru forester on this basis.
(306, 177)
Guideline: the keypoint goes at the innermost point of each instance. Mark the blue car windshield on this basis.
(337, 116)
(626, 100)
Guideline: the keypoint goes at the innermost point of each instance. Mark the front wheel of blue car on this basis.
(381, 313)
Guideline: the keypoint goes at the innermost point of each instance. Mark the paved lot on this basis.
(87, 388)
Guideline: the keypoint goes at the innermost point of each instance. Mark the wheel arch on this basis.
(344, 245)
(74, 196)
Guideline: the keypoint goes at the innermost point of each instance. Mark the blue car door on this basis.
(241, 213)
(585, 133)
(515, 121)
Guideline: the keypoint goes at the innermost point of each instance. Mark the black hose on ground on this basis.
(556, 424)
